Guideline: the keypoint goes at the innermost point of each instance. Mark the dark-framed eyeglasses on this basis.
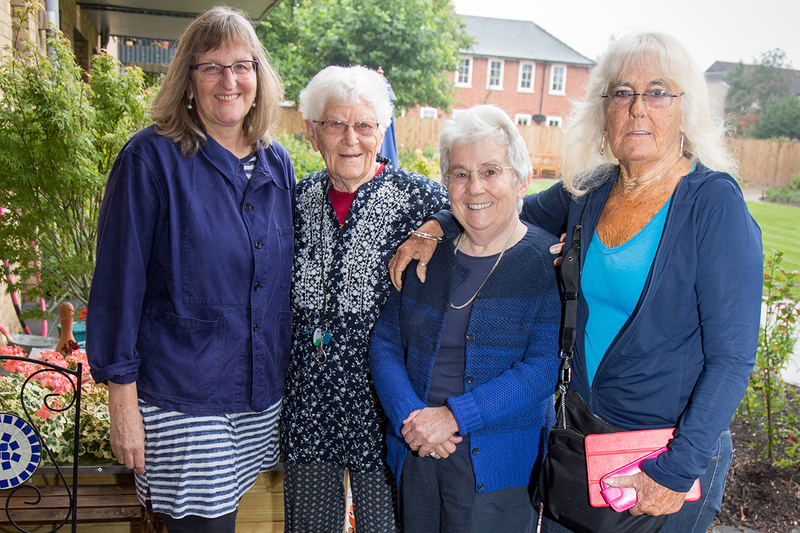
(338, 127)
(485, 172)
(656, 98)
(241, 70)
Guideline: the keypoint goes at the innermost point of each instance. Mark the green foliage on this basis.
(780, 119)
(304, 159)
(779, 231)
(763, 404)
(785, 195)
(415, 42)
(58, 139)
(422, 161)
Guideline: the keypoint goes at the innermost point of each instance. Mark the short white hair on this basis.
(485, 123)
(355, 85)
(704, 133)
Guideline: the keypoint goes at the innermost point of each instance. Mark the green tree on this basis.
(415, 42)
(754, 87)
(59, 136)
(779, 119)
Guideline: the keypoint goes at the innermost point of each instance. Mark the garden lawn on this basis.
(780, 230)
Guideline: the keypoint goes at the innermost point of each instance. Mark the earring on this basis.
(603, 143)
(190, 105)
(254, 104)
(681, 152)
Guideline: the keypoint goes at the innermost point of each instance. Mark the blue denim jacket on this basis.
(190, 296)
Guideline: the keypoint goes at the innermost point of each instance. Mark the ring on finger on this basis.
(434, 455)
(423, 264)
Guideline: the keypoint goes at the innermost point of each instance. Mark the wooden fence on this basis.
(764, 163)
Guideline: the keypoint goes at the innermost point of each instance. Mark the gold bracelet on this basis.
(423, 235)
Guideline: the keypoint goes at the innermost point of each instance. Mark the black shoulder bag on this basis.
(563, 489)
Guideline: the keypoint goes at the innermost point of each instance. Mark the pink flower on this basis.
(43, 413)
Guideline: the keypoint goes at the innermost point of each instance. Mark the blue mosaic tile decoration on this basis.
(20, 451)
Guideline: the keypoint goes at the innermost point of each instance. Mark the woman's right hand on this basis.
(414, 248)
(127, 430)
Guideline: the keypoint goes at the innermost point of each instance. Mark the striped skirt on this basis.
(202, 465)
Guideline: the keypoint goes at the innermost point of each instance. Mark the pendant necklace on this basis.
(490, 272)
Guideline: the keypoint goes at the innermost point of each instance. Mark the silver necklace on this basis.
(490, 272)
(648, 182)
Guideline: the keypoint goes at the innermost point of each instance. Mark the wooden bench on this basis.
(546, 165)
(112, 501)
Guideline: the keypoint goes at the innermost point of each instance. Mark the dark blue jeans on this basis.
(694, 517)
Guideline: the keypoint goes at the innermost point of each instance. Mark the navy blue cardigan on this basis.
(511, 359)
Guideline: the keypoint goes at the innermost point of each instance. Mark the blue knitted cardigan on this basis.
(511, 359)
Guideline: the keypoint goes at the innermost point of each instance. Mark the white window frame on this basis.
(522, 65)
(563, 88)
(489, 85)
(427, 112)
(523, 119)
(468, 83)
(554, 121)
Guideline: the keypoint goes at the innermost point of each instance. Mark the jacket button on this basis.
(480, 486)
(468, 379)
(255, 327)
(475, 451)
(248, 207)
(256, 286)
(470, 337)
(258, 245)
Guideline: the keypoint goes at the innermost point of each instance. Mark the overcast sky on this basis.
(713, 30)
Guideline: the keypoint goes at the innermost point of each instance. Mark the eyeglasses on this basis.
(485, 172)
(655, 99)
(242, 70)
(338, 127)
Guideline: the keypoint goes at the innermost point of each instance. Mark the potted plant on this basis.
(59, 136)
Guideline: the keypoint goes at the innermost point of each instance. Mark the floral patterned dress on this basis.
(331, 412)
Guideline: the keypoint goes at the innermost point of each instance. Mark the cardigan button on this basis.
(475, 451)
(255, 327)
(248, 207)
(256, 286)
(470, 337)
(258, 245)
(468, 379)
(480, 486)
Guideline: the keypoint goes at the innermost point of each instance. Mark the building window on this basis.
(522, 119)
(427, 112)
(495, 78)
(553, 121)
(558, 79)
(464, 72)
(526, 74)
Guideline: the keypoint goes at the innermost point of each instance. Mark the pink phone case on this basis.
(623, 498)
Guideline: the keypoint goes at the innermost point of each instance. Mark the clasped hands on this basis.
(431, 430)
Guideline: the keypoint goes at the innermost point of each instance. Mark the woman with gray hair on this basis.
(465, 365)
(671, 270)
(349, 219)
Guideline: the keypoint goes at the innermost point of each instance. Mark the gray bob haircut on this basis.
(219, 27)
(485, 123)
(657, 52)
(355, 85)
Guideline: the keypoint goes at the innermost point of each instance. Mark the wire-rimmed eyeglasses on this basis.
(485, 172)
(242, 70)
(656, 98)
(363, 128)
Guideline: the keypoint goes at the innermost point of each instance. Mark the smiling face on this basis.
(349, 158)
(223, 104)
(639, 135)
(486, 207)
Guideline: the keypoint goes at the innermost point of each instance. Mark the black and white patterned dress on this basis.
(331, 412)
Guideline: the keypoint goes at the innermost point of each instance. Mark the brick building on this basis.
(519, 67)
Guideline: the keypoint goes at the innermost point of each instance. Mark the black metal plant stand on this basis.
(21, 443)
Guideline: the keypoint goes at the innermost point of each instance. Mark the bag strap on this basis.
(571, 276)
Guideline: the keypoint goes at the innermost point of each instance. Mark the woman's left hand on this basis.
(651, 498)
(426, 429)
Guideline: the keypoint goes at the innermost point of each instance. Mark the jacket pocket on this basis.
(181, 355)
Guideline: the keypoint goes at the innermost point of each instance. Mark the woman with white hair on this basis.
(349, 219)
(671, 270)
(465, 365)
